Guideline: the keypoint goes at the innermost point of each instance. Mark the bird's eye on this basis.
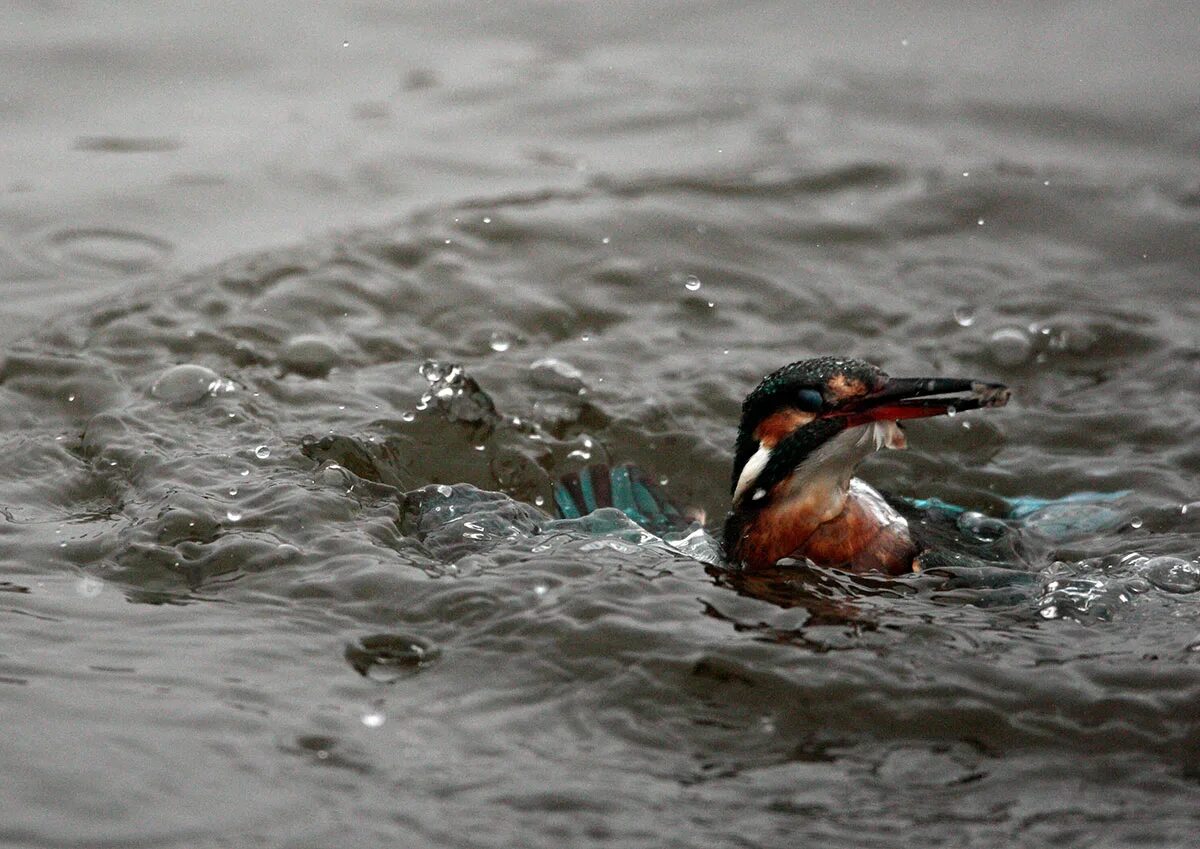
(809, 400)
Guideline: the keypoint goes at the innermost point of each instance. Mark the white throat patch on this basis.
(827, 471)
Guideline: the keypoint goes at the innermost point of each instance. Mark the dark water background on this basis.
(218, 630)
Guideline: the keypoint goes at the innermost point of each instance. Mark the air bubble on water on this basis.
(234, 515)
(541, 589)
(951, 412)
(500, 342)
(1049, 612)
(692, 284)
(579, 454)
(1136, 522)
(964, 316)
(966, 173)
(980, 222)
(444, 490)
(1045, 182)
(186, 384)
(539, 501)
(605, 241)
(408, 416)
(311, 356)
(233, 490)
(262, 452)
(1010, 346)
(70, 397)
(480, 447)
(711, 304)
(373, 719)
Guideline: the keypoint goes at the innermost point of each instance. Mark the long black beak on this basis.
(918, 397)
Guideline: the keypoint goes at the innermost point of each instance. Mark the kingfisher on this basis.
(804, 429)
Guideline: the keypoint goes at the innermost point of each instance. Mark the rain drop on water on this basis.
(1136, 522)
(964, 316)
(234, 515)
(262, 452)
(692, 284)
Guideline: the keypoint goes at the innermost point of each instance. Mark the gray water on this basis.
(223, 622)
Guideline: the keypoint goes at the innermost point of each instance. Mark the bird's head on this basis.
(807, 425)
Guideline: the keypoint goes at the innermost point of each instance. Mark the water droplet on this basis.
(373, 719)
(234, 515)
(964, 316)
(1010, 346)
(185, 384)
(500, 342)
(539, 501)
(262, 452)
(1136, 522)
(692, 284)
(432, 370)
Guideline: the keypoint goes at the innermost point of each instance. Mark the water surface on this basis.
(224, 622)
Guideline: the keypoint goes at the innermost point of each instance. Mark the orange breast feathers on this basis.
(866, 536)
